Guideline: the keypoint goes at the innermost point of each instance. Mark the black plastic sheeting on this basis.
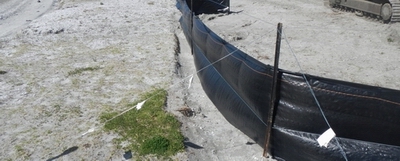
(208, 6)
(364, 118)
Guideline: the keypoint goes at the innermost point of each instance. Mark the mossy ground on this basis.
(150, 130)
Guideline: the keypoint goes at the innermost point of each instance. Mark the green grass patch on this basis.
(80, 70)
(150, 130)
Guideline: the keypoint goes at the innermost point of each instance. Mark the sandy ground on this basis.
(327, 42)
(215, 137)
(15, 14)
(132, 45)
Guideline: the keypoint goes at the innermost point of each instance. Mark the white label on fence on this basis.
(326, 137)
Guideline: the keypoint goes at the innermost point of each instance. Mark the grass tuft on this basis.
(156, 145)
(80, 70)
(150, 130)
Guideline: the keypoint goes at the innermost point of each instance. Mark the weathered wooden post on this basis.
(274, 91)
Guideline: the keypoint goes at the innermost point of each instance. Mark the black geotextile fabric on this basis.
(363, 117)
(208, 6)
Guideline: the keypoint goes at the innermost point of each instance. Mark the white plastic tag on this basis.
(139, 105)
(89, 131)
(223, 10)
(190, 81)
(326, 137)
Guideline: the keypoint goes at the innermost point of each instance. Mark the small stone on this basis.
(128, 155)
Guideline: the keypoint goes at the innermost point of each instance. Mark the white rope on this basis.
(313, 94)
(212, 63)
(190, 77)
(304, 77)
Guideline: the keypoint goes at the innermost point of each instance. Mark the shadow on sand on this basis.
(66, 152)
(192, 145)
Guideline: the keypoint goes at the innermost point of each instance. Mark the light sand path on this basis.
(14, 14)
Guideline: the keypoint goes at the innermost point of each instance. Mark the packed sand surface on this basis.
(327, 42)
(131, 46)
(47, 101)
(15, 14)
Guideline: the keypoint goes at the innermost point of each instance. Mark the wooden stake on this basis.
(271, 112)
